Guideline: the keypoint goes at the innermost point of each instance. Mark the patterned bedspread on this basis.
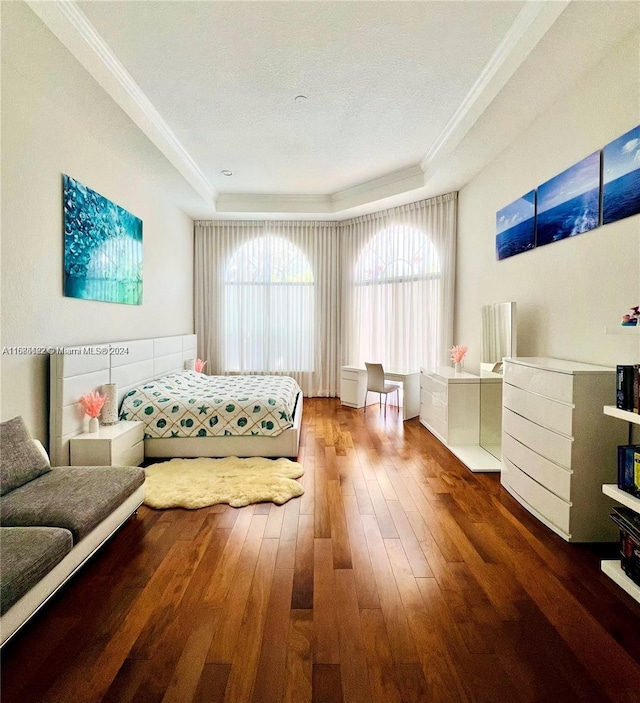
(191, 404)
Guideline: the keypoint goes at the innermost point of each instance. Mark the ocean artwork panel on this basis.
(621, 177)
(516, 227)
(569, 203)
(102, 247)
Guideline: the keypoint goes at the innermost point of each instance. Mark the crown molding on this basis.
(70, 25)
(271, 203)
(371, 191)
(531, 24)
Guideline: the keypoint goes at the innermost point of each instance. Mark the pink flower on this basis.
(92, 403)
(457, 353)
(199, 365)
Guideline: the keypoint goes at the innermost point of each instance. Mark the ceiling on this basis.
(396, 94)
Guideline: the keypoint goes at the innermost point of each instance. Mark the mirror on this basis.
(498, 332)
(498, 342)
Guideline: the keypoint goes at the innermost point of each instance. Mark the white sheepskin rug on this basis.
(196, 483)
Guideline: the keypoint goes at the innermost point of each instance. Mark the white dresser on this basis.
(450, 409)
(557, 446)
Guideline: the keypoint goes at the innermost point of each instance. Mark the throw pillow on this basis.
(20, 460)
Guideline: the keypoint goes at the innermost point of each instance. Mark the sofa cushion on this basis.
(77, 498)
(27, 555)
(20, 460)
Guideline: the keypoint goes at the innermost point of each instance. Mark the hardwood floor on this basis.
(399, 576)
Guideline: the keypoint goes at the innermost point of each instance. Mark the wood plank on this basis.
(365, 579)
(325, 627)
(188, 671)
(270, 675)
(223, 576)
(339, 534)
(402, 646)
(353, 661)
(298, 684)
(226, 635)
(327, 684)
(247, 652)
(302, 595)
(212, 684)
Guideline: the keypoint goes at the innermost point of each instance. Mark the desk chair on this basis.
(376, 384)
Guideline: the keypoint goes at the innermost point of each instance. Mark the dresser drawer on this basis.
(130, 457)
(548, 444)
(556, 478)
(549, 506)
(548, 413)
(435, 386)
(349, 375)
(349, 392)
(551, 384)
(125, 440)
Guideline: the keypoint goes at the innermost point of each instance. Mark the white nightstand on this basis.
(113, 445)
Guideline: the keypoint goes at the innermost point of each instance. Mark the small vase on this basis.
(94, 425)
(457, 367)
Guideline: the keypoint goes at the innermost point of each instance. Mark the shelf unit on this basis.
(631, 330)
(611, 567)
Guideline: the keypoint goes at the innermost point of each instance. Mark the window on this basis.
(268, 308)
(396, 297)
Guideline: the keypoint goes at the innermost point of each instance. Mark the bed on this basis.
(131, 365)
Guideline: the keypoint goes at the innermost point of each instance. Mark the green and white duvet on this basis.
(191, 404)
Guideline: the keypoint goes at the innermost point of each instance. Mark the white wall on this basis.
(55, 120)
(568, 291)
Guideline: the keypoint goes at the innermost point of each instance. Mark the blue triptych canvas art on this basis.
(570, 203)
(621, 177)
(102, 247)
(516, 226)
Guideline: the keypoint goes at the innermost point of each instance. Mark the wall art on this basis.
(516, 227)
(569, 203)
(102, 247)
(621, 177)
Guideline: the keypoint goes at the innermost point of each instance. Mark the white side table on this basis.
(112, 445)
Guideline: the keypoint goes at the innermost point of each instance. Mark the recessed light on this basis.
(300, 98)
(227, 173)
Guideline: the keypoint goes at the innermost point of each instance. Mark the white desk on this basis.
(450, 408)
(353, 388)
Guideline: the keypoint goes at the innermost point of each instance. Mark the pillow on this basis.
(20, 460)
(190, 365)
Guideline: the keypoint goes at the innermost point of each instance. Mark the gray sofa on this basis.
(52, 520)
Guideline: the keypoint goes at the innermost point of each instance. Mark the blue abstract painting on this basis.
(102, 247)
(516, 227)
(569, 204)
(621, 177)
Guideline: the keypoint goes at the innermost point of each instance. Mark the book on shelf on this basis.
(628, 387)
(629, 468)
(628, 522)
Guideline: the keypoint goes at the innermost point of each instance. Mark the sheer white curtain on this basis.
(267, 300)
(398, 284)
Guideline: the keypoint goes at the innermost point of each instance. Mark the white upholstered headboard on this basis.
(86, 368)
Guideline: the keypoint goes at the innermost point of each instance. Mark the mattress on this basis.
(191, 404)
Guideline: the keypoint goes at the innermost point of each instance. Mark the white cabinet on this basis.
(611, 567)
(450, 410)
(112, 445)
(557, 446)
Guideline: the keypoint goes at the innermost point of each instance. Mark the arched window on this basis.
(396, 297)
(268, 308)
